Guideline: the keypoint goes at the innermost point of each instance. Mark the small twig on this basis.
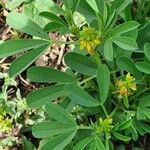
(61, 52)
(23, 80)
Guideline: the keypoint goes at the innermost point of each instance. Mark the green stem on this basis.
(126, 102)
(114, 76)
(97, 58)
(104, 109)
(87, 79)
(65, 42)
(84, 128)
(107, 141)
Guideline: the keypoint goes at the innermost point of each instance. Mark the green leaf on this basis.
(93, 4)
(133, 132)
(12, 47)
(49, 129)
(85, 9)
(120, 5)
(53, 26)
(144, 101)
(147, 50)
(23, 62)
(124, 125)
(53, 18)
(24, 24)
(81, 64)
(143, 67)
(103, 79)
(126, 64)
(143, 111)
(123, 28)
(27, 145)
(108, 50)
(13, 4)
(75, 4)
(45, 95)
(144, 35)
(125, 43)
(98, 144)
(111, 20)
(47, 75)
(58, 142)
(59, 114)
(83, 143)
(121, 137)
(53, 7)
(68, 4)
(141, 127)
(32, 10)
(81, 97)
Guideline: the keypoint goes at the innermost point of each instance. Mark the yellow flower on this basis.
(123, 92)
(5, 124)
(126, 86)
(130, 81)
(105, 125)
(89, 39)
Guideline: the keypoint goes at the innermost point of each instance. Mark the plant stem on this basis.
(104, 109)
(114, 76)
(87, 79)
(65, 42)
(84, 128)
(107, 141)
(97, 58)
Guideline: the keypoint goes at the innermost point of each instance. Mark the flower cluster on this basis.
(89, 39)
(105, 125)
(126, 86)
(5, 123)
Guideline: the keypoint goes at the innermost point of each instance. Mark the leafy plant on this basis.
(104, 96)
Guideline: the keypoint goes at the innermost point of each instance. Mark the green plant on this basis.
(104, 94)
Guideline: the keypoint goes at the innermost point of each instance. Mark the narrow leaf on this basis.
(108, 50)
(53, 18)
(103, 79)
(143, 67)
(52, 26)
(58, 142)
(12, 4)
(98, 144)
(123, 28)
(120, 5)
(81, 97)
(44, 96)
(47, 75)
(126, 64)
(25, 25)
(83, 143)
(121, 137)
(85, 9)
(12, 47)
(147, 50)
(49, 129)
(81, 64)
(23, 62)
(124, 125)
(125, 43)
(59, 114)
